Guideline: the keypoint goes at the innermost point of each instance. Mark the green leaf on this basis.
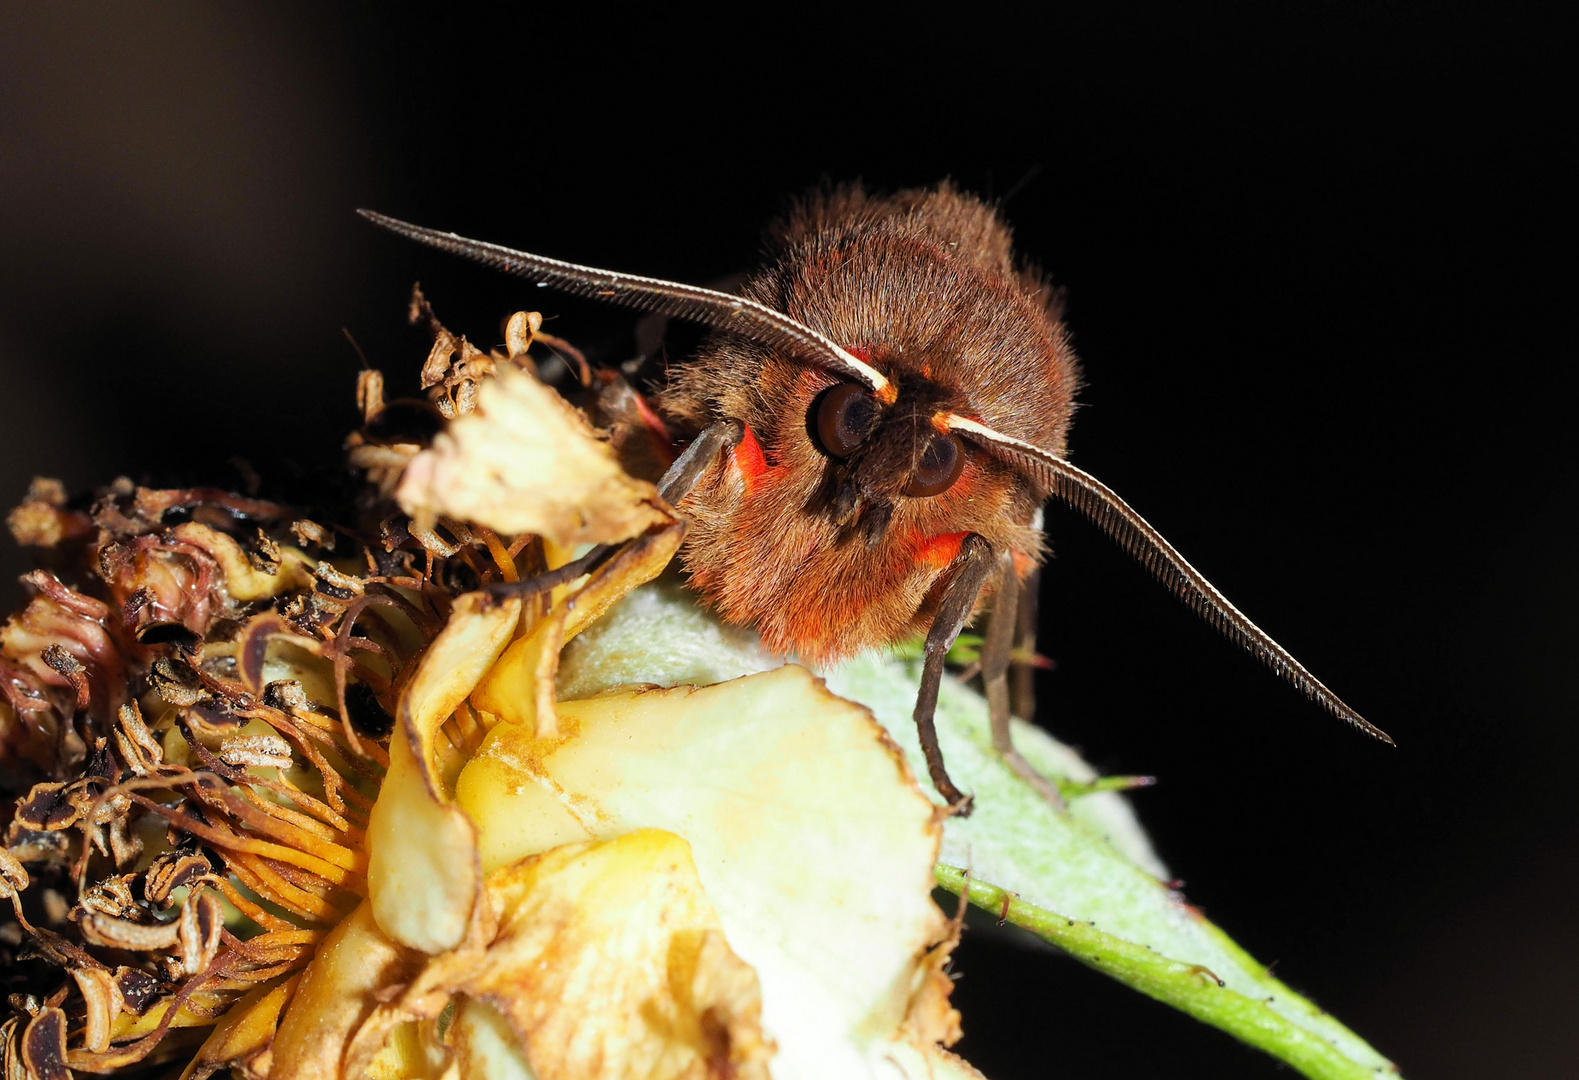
(1189, 988)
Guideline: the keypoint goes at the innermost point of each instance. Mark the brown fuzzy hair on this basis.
(924, 283)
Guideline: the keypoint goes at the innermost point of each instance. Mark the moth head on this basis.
(880, 455)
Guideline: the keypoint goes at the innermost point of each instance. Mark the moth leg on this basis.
(1001, 633)
(677, 482)
(1022, 685)
(689, 466)
(970, 570)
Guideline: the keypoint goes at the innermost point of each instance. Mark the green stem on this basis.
(1187, 987)
(1074, 789)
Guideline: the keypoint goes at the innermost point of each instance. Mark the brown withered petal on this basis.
(13, 875)
(28, 845)
(138, 989)
(42, 519)
(329, 582)
(171, 871)
(176, 681)
(310, 532)
(162, 580)
(44, 1046)
(48, 807)
(138, 748)
(122, 934)
(202, 920)
(264, 554)
(102, 1000)
(113, 897)
(264, 751)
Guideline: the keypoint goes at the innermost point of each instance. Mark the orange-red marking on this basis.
(750, 460)
(940, 550)
(657, 430)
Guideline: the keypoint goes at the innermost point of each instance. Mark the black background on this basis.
(1313, 257)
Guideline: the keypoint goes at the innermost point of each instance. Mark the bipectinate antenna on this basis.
(736, 314)
(1097, 502)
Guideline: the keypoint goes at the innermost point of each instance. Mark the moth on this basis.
(870, 433)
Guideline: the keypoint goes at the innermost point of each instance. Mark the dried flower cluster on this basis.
(195, 706)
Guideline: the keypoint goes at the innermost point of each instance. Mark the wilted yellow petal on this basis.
(422, 874)
(526, 461)
(609, 962)
(523, 679)
(336, 994)
(810, 837)
(246, 1030)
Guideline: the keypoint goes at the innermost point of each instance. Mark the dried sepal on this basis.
(526, 461)
(137, 747)
(454, 365)
(14, 879)
(310, 533)
(199, 927)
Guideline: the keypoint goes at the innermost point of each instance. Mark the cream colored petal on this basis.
(527, 462)
(486, 1046)
(810, 837)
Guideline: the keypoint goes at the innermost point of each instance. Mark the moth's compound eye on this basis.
(844, 416)
(941, 462)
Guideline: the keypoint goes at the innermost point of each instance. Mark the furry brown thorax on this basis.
(827, 555)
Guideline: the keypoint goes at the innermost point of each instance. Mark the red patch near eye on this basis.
(940, 550)
(750, 460)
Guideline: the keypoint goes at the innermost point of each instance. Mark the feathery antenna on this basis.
(1083, 492)
(736, 314)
